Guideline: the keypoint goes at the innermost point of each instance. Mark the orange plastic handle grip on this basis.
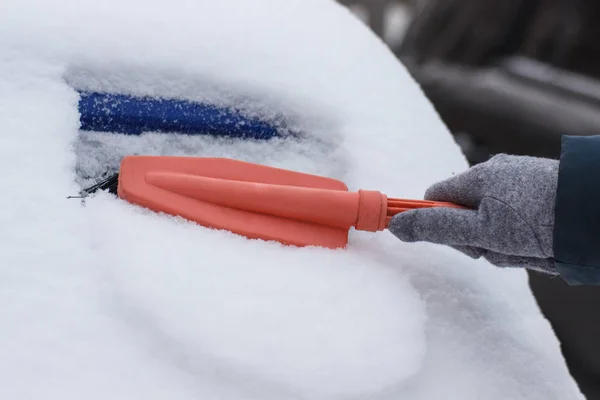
(396, 206)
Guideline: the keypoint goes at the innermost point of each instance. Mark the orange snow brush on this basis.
(255, 201)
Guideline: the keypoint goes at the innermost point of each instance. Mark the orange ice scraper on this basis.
(257, 201)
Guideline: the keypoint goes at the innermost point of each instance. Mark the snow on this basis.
(107, 300)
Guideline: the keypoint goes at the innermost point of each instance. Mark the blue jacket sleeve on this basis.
(577, 211)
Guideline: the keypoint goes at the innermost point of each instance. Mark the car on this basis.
(103, 298)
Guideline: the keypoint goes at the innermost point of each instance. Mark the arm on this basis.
(577, 211)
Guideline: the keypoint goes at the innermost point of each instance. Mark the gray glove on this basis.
(510, 217)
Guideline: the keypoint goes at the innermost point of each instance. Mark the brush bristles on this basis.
(111, 184)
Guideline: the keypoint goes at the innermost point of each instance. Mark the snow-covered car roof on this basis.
(108, 300)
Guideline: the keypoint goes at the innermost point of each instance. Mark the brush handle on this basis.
(396, 206)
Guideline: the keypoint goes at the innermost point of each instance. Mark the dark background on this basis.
(511, 76)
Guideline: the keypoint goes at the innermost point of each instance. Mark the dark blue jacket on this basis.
(577, 211)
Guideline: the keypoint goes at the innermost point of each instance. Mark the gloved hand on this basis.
(510, 217)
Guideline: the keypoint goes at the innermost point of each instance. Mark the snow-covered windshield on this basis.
(109, 300)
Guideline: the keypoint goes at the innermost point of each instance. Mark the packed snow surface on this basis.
(105, 300)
